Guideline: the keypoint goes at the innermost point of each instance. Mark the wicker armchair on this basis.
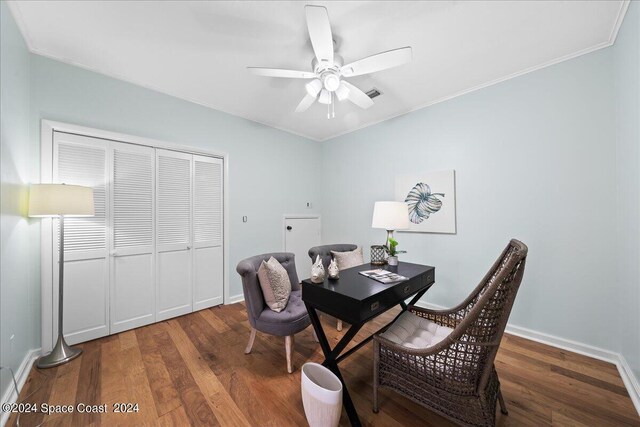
(456, 377)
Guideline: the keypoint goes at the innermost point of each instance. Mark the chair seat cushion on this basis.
(413, 331)
(294, 310)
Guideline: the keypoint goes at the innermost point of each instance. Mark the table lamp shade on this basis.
(60, 199)
(390, 216)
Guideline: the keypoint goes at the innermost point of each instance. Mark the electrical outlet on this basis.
(244, 219)
(309, 205)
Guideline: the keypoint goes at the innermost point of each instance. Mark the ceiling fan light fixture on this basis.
(313, 87)
(342, 92)
(331, 82)
(325, 97)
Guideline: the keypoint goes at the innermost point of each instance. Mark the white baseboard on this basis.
(234, 299)
(9, 394)
(563, 343)
(630, 381)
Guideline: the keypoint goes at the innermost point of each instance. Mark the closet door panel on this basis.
(174, 283)
(208, 280)
(207, 232)
(173, 234)
(132, 242)
(82, 160)
(85, 309)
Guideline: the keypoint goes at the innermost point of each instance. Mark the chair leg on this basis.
(339, 326)
(503, 406)
(288, 346)
(252, 338)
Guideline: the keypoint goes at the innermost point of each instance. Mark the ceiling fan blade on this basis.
(306, 102)
(279, 72)
(378, 62)
(320, 32)
(357, 96)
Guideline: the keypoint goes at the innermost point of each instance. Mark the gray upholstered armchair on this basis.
(293, 319)
(325, 256)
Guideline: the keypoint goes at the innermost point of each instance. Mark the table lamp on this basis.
(390, 216)
(60, 200)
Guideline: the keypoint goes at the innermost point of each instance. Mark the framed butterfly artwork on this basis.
(431, 198)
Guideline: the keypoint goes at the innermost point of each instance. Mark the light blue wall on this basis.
(19, 290)
(551, 158)
(271, 172)
(534, 159)
(626, 55)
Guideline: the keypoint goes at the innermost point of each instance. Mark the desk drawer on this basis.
(395, 294)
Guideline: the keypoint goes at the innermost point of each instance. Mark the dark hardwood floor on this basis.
(192, 370)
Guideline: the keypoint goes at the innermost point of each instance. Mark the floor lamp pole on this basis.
(61, 353)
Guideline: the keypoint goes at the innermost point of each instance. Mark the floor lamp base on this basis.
(61, 353)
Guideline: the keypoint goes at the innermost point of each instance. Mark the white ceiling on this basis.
(198, 50)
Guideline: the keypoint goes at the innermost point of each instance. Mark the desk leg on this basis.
(332, 365)
(415, 298)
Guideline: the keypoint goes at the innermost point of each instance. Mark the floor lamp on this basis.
(60, 200)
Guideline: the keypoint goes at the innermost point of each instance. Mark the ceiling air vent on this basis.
(373, 93)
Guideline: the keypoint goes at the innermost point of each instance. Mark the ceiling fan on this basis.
(328, 75)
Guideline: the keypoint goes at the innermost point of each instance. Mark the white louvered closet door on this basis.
(132, 237)
(83, 161)
(207, 232)
(173, 234)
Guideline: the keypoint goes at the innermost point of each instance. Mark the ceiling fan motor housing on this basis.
(329, 73)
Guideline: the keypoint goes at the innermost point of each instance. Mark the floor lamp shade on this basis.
(390, 216)
(60, 200)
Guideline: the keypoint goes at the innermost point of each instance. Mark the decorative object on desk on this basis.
(334, 271)
(390, 216)
(321, 395)
(431, 201)
(60, 200)
(378, 255)
(348, 259)
(392, 244)
(317, 271)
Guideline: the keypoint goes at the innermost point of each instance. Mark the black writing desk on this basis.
(356, 299)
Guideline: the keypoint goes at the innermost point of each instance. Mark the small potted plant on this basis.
(390, 248)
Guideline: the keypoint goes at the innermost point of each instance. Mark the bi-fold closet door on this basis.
(83, 161)
(154, 249)
(188, 233)
(132, 293)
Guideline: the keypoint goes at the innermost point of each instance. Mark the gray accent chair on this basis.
(325, 256)
(293, 319)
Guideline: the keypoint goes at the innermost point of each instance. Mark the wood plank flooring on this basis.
(192, 370)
